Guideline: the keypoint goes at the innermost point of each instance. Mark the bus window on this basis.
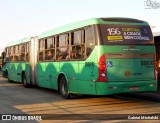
(49, 49)
(27, 51)
(7, 54)
(77, 45)
(89, 40)
(62, 50)
(41, 49)
(12, 53)
(22, 52)
(16, 54)
(126, 34)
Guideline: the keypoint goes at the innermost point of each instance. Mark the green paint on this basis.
(82, 75)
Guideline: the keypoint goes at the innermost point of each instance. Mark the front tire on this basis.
(8, 78)
(64, 88)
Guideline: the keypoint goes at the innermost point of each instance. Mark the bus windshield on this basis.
(126, 34)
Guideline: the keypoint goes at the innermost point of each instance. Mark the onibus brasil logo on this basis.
(150, 4)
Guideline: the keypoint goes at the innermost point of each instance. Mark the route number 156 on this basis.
(113, 31)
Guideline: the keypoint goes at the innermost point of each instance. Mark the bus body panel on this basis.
(125, 87)
(86, 83)
(55, 74)
(15, 70)
(130, 69)
(71, 72)
(21, 67)
(124, 73)
(11, 71)
(41, 75)
(132, 64)
(88, 73)
(51, 74)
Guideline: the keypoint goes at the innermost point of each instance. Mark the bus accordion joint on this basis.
(102, 69)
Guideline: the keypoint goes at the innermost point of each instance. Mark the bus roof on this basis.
(20, 41)
(92, 21)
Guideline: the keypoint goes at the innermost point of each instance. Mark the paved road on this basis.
(15, 99)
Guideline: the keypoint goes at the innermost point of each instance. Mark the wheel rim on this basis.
(24, 80)
(64, 88)
(7, 75)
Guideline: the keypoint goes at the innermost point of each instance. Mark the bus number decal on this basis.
(114, 34)
(114, 31)
(147, 64)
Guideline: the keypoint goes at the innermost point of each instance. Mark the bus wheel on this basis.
(24, 81)
(7, 76)
(64, 88)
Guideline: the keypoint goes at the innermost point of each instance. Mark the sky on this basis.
(28, 18)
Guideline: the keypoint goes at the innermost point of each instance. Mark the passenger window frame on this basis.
(49, 51)
(94, 41)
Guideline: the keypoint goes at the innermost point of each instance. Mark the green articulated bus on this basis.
(99, 56)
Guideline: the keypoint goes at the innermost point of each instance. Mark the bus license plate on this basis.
(133, 88)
